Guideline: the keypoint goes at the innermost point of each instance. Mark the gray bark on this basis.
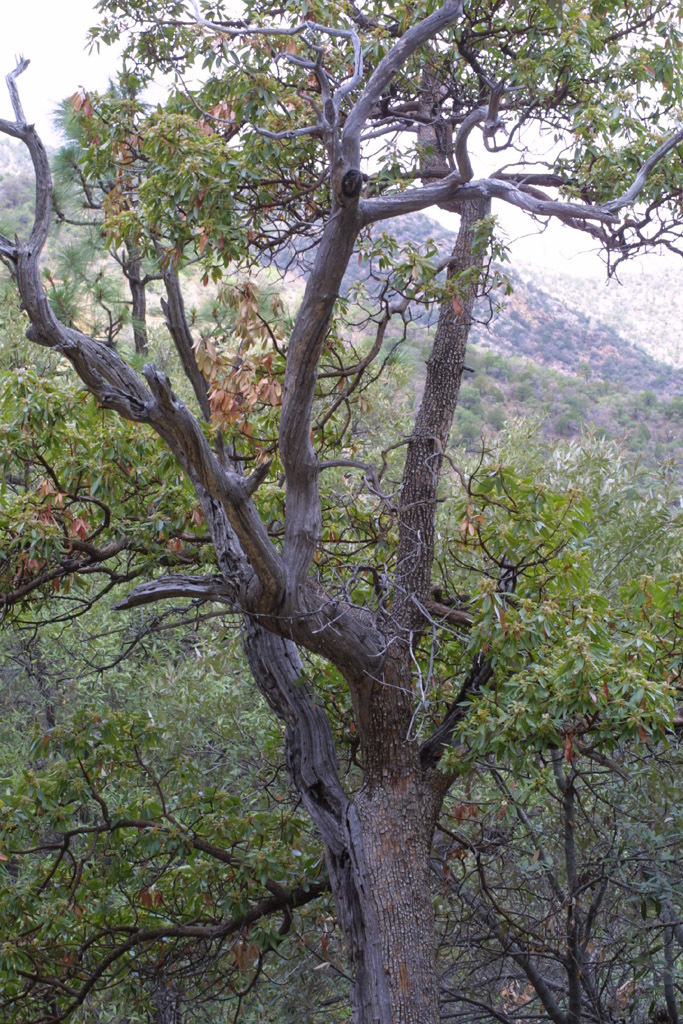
(138, 293)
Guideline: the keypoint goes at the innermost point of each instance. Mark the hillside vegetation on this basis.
(643, 303)
(16, 189)
(557, 348)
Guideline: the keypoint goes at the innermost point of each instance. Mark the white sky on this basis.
(52, 33)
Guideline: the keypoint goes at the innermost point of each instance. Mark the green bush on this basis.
(495, 417)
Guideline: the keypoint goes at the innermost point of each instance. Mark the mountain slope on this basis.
(576, 352)
(550, 320)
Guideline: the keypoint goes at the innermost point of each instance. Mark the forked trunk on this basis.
(377, 845)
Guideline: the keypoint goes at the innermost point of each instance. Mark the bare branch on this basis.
(244, 29)
(462, 156)
(26, 133)
(293, 133)
(174, 422)
(357, 76)
(11, 80)
(452, 190)
(370, 471)
(254, 481)
(455, 616)
(205, 588)
(117, 386)
(409, 42)
(627, 198)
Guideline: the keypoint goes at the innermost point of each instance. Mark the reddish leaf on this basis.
(146, 898)
(81, 527)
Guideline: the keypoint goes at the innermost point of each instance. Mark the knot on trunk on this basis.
(351, 184)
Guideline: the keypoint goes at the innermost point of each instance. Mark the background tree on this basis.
(268, 159)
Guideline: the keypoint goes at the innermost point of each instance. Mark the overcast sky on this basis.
(51, 33)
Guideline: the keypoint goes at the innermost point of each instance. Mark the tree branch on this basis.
(176, 322)
(205, 588)
(300, 464)
(627, 197)
(433, 747)
(409, 42)
(452, 190)
(460, 144)
(117, 386)
(284, 899)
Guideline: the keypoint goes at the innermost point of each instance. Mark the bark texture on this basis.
(138, 293)
(427, 444)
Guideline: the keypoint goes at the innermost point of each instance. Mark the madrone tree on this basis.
(311, 127)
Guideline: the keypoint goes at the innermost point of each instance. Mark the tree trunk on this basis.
(397, 807)
(167, 1003)
(397, 842)
(134, 273)
(377, 846)
(397, 830)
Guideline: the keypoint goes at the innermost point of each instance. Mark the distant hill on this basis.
(643, 304)
(627, 329)
(559, 322)
(577, 352)
(17, 190)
